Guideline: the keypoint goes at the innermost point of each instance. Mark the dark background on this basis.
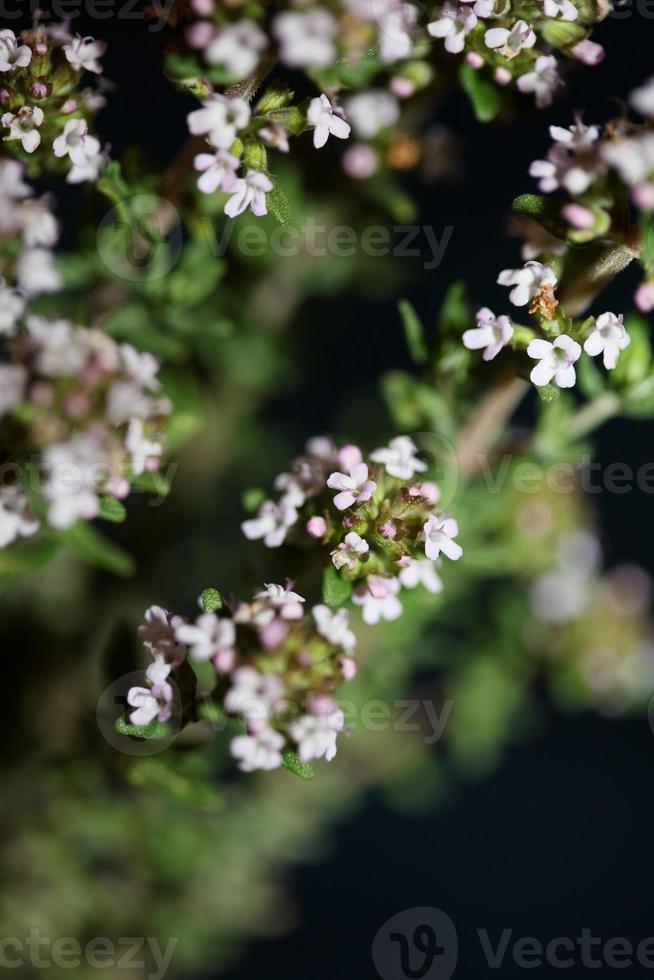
(560, 838)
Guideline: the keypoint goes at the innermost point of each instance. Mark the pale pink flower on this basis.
(326, 120)
(218, 170)
(492, 333)
(271, 523)
(510, 42)
(249, 191)
(354, 487)
(334, 626)
(399, 458)
(315, 735)
(556, 360)
(454, 24)
(608, 337)
(24, 126)
(76, 143)
(210, 638)
(237, 47)
(378, 599)
(527, 281)
(12, 54)
(83, 54)
(439, 535)
(282, 599)
(260, 750)
(220, 119)
(542, 81)
(150, 703)
(306, 40)
(350, 550)
(420, 571)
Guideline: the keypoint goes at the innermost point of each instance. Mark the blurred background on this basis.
(532, 814)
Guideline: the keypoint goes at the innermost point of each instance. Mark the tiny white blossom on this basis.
(76, 143)
(324, 118)
(261, 750)
(564, 9)
(334, 626)
(218, 170)
(236, 48)
(150, 703)
(378, 598)
(399, 458)
(211, 637)
(36, 272)
(370, 112)
(142, 451)
(83, 54)
(510, 42)
(632, 158)
(453, 24)
(249, 192)
(315, 735)
(439, 538)
(39, 226)
(542, 81)
(12, 306)
(354, 487)
(556, 360)
(12, 185)
(349, 551)
(527, 281)
(492, 333)
(283, 599)
(253, 695)
(12, 54)
(276, 136)
(271, 523)
(306, 39)
(24, 126)
(13, 378)
(420, 571)
(220, 119)
(608, 337)
(71, 480)
(642, 99)
(16, 521)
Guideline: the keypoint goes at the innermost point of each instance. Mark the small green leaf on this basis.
(484, 95)
(87, 543)
(293, 764)
(211, 600)
(112, 510)
(413, 331)
(27, 555)
(335, 590)
(455, 314)
(152, 481)
(279, 205)
(156, 729)
(545, 211)
(548, 393)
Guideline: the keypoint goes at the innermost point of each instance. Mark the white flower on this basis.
(306, 39)
(324, 117)
(564, 9)
(12, 185)
(396, 21)
(158, 634)
(439, 538)
(642, 99)
(12, 306)
(261, 750)
(220, 119)
(609, 337)
(141, 366)
(253, 695)
(528, 281)
(271, 523)
(249, 191)
(355, 487)
(315, 735)
(76, 143)
(72, 470)
(399, 458)
(370, 112)
(83, 53)
(510, 42)
(555, 361)
(90, 171)
(276, 136)
(493, 333)
(36, 272)
(142, 451)
(13, 379)
(334, 626)
(150, 703)
(58, 352)
(420, 571)
(632, 158)
(24, 126)
(13, 55)
(16, 521)
(210, 638)
(349, 551)
(378, 597)
(453, 24)
(218, 171)
(542, 81)
(39, 226)
(282, 598)
(236, 48)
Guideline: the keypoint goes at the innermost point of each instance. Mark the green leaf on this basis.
(156, 729)
(293, 764)
(187, 417)
(152, 482)
(590, 377)
(455, 314)
(413, 331)
(279, 205)
(27, 555)
(484, 95)
(211, 600)
(335, 590)
(635, 361)
(87, 543)
(112, 510)
(545, 211)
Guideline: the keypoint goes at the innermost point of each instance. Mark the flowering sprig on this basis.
(274, 669)
(377, 520)
(46, 106)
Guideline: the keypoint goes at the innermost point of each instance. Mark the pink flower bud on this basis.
(256, 725)
(200, 35)
(224, 661)
(428, 490)
(643, 196)
(348, 523)
(348, 457)
(320, 705)
(39, 89)
(578, 216)
(273, 633)
(502, 76)
(377, 587)
(474, 59)
(349, 668)
(70, 105)
(360, 161)
(387, 530)
(317, 526)
(644, 297)
(4, 95)
(402, 87)
(204, 8)
(588, 52)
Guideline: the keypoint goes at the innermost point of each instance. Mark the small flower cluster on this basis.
(379, 523)
(222, 49)
(556, 342)
(28, 232)
(603, 173)
(276, 670)
(43, 103)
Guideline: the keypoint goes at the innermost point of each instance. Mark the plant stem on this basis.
(591, 416)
